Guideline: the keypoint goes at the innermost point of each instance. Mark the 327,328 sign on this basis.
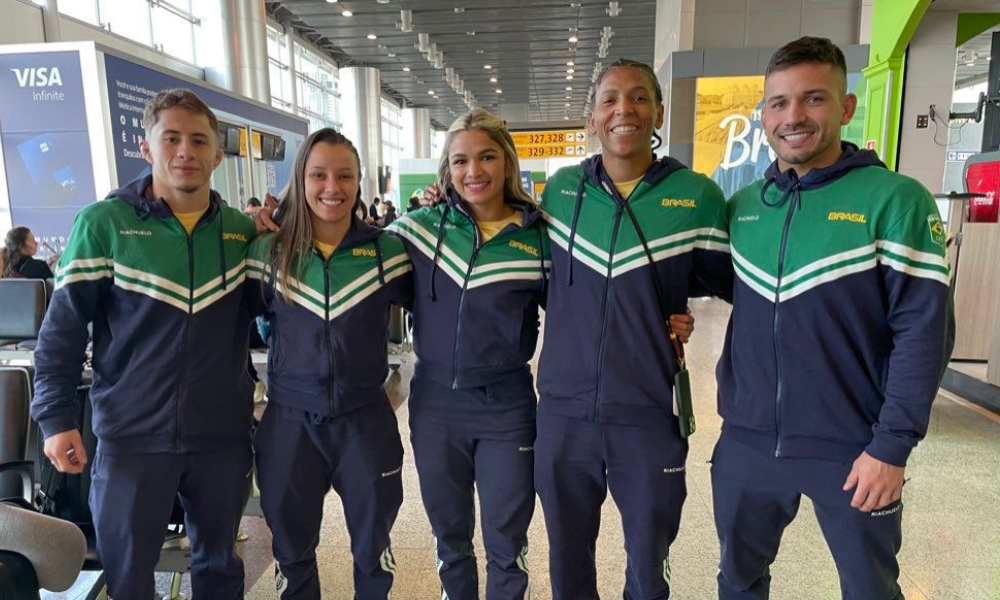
(548, 144)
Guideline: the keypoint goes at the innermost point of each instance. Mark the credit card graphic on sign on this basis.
(49, 166)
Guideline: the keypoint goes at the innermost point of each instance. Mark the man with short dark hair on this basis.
(253, 206)
(840, 332)
(157, 268)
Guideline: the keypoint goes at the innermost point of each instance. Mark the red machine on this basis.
(982, 176)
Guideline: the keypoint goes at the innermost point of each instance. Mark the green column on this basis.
(893, 25)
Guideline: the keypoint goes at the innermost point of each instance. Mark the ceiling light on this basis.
(499, 91)
(574, 5)
(569, 78)
(568, 104)
(430, 92)
(332, 1)
(573, 39)
(392, 55)
(406, 20)
(566, 118)
(570, 64)
(570, 71)
(347, 13)
(406, 69)
(480, 51)
(487, 67)
(459, 9)
(493, 79)
(470, 32)
(569, 88)
(372, 36)
(613, 9)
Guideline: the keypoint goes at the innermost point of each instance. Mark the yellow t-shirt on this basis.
(625, 188)
(190, 219)
(325, 249)
(489, 229)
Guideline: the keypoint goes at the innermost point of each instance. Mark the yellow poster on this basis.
(729, 142)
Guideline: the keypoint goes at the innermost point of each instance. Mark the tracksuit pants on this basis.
(482, 439)
(757, 495)
(132, 498)
(300, 456)
(576, 463)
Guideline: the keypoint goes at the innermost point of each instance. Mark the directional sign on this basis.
(549, 143)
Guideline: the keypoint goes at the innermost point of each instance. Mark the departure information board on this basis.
(550, 143)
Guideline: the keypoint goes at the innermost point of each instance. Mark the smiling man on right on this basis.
(840, 331)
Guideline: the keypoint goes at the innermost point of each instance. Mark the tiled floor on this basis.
(951, 548)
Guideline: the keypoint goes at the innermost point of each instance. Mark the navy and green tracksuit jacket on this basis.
(476, 303)
(169, 327)
(842, 325)
(607, 355)
(328, 347)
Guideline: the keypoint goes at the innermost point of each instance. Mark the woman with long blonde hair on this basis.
(479, 264)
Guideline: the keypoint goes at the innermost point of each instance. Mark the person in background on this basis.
(375, 210)
(390, 214)
(18, 251)
(253, 206)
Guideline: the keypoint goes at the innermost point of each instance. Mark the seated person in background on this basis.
(390, 214)
(18, 252)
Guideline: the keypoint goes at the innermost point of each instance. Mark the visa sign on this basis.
(38, 77)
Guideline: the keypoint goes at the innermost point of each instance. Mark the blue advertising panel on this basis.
(46, 145)
(129, 87)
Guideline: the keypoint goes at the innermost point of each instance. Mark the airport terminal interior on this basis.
(392, 76)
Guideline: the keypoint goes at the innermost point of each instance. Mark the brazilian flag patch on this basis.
(937, 230)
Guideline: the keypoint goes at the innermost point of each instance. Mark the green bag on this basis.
(683, 408)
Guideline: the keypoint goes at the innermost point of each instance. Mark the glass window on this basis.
(84, 10)
(317, 82)
(173, 29)
(392, 128)
(128, 18)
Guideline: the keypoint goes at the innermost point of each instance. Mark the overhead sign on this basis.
(550, 143)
